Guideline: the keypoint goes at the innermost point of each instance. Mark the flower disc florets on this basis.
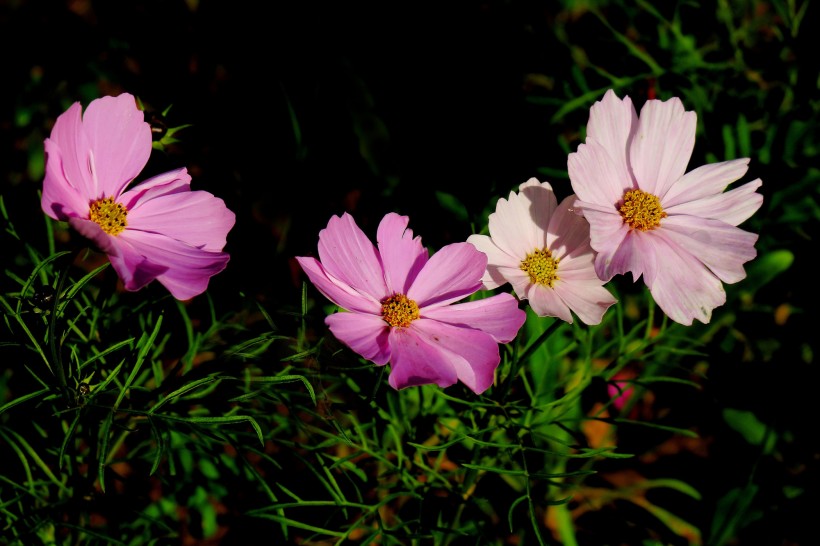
(110, 215)
(541, 267)
(641, 210)
(399, 311)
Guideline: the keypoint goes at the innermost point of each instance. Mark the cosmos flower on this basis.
(158, 229)
(542, 249)
(401, 307)
(650, 217)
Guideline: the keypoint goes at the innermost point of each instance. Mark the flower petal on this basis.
(684, 289)
(337, 290)
(167, 183)
(61, 199)
(705, 181)
(722, 247)
(732, 207)
(451, 274)
(417, 360)
(611, 124)
(73, 151)
(473, 354)
(587, 299)
(187, 269)
(365, 334)
(197, 218)
(546, 303)
(92, 231)
(402, 255)
(568, 231)
(121, 141)
(598, 178)
(493, 277)
(513, 226)
(633, 254)
(663, 144)
(498, 316)
(348, 255)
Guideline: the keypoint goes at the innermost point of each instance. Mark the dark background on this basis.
(302, 110)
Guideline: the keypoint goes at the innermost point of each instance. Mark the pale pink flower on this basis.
(400, 304)
(158, 229)
(542, 249)
(649, 218)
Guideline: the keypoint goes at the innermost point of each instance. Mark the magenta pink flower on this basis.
(400, 304)
(542, 249)
(649, 218)
(158, 229)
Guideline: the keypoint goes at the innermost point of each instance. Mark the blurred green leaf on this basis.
(763, 269)
(751, 428)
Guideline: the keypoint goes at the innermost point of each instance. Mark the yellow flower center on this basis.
(642, 210)
(541, 267)
(399, 311)
(109, 214)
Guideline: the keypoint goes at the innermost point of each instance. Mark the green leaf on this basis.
(750, 427)
(765, 268)
(452, 205)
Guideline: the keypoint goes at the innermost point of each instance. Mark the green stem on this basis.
(56, 356)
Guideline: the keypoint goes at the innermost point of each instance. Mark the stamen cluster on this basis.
(110, 215)
(642, 210)
(541, 267)
(399, 311)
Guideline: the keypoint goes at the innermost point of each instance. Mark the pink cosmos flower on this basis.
(649, 218)
(400, 304)
(542, 249)
(158, 229)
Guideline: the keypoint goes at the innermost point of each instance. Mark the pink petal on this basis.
(74, 152)
(92, 231)
(611, 124)
(61, 199)
(607, 233)
(493, 277)
(597, 177)
(512, 225)
(418, 360)
(120, 139)
(519, 280)
(187, 269)
(733, 207)
(196, 218)
(453, 273)
(546, 303)
(568, 232)
(402, 255)
(337, 290)
(723, 248)
(683, 287)
(366, 334)
(587, 299)
(134, 269)
(348, 255)
(705, 181)
(580, 265)
(663, 144)
(471, 353)
(176, 181)
(533, 207)
(633, 255)
(498, 316)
